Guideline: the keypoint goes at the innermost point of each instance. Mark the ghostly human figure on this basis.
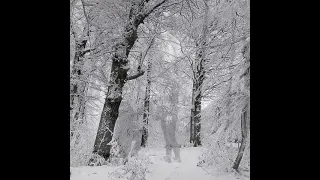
(127, 132)
(168, 116)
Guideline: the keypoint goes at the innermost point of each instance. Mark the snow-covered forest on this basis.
(159, 89)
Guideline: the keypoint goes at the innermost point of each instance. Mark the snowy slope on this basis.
(158, 168)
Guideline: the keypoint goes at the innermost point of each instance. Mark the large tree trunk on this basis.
(106, 127)
(244, 116)
(197, 112)
(191, 127)
(146, 107)
(192, 117)
(78, 71)
(77, 86)
(118, 78)
(146, 111)
(114, 94)
(198, 80)
(243, 140)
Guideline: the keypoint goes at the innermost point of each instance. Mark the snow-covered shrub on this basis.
(223, 127)
(118, 156)
(95, 160)
(81, 143)
(134, 169)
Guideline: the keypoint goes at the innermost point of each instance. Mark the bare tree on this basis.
(139, 11)
(246, 109)
(78, 72)
(146, 111)
(198, 78)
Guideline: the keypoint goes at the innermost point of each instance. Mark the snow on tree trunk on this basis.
(243, 140)
(191, 119)
(118, 77)
(244, 115)
(78, 73)
(77, 87)
(246, 110)
(146, 107)
(196, 113)
(198, 82)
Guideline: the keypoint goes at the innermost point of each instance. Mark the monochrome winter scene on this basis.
(159, 89)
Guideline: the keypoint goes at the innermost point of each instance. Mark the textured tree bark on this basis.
(114, 94)
(197, 95)
(192, 116)
(146, 107)
(118, 78)
(191, 127)
(197, 113)
(244, 116)
(243, 140)
(77, 88)
(198, 81)
(106, 127)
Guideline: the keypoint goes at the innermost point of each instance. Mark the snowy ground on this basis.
(158, 169)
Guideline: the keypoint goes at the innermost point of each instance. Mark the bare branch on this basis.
(135, 76)
(230, 43)
(148, 48)
(142, 57)
(154, 8)
(246, 72)
(86, 16)
(215, 85)
(86, 51)
(89, 3)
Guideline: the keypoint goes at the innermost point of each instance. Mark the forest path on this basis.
(158, 168)
(185, 170)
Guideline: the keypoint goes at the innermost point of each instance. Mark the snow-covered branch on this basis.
(87, 18)
(135, 76)
(154, 8)
(89, 3)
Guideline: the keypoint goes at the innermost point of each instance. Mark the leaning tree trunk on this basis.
(146, 111)
(118, 77)
(110, 111)
(244, 116)
(146, 107)
(243, 140)
(230, 92)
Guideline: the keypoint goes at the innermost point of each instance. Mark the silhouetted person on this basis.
(168, 120)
